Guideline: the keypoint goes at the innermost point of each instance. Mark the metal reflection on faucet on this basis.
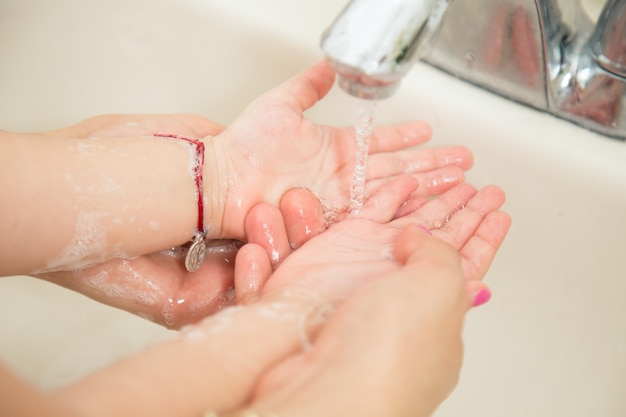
(372, 44)
(595, 95)
(608, 43)
(543, 53)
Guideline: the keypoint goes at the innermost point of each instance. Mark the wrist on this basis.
(216, 184)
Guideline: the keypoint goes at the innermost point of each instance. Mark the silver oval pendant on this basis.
(195, 254)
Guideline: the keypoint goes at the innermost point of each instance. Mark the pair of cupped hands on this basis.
(422, 231)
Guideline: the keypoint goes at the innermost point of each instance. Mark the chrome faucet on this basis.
(547, 54)
(373, 43)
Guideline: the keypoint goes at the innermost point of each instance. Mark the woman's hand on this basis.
(373, 294)
(392, 348)
(393, 345)
(467, 219)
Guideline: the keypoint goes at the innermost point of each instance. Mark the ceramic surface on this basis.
(552, 342)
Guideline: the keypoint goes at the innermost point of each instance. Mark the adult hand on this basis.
(392, 348)
(401, 296)
(467, 219)
(398, 297)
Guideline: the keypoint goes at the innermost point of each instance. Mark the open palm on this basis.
(157, 286)
(272, 148)
(362, 245)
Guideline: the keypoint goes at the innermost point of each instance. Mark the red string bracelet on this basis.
(197, 250)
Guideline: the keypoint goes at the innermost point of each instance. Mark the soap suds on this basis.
(88, 247)
(212, 325)
(132, 285)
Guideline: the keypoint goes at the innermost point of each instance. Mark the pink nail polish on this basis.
(481, 297)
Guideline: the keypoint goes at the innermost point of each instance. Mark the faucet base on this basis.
(527, 53)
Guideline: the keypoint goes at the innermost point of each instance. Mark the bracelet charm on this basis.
(196, 253)
(197, 249)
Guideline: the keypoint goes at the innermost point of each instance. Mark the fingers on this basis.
(439, 181)
(307, 88)
(413, 247)
(478, 292)
(303, 214)
(436, 170)
(272, 233)
(264, 226)
(252, 269)
(410, 206)
(481, 248)
(392, 138)
(418, 160)
(466, 219)
(462, 224)
(384, 204)
(431, 183)
(436, 213)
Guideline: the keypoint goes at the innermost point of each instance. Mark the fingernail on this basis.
(481, 297)
(424, 228)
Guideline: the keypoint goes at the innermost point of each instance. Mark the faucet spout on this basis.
(542, 53)
(372, 44)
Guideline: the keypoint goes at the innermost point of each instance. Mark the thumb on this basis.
(404, 328)
(433, 261)
(306, 89)
(421, 252)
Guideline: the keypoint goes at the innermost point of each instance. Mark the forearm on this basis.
(211, 366)
(67, 203)
(21, 399)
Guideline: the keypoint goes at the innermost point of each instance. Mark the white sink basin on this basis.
(552, 342)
